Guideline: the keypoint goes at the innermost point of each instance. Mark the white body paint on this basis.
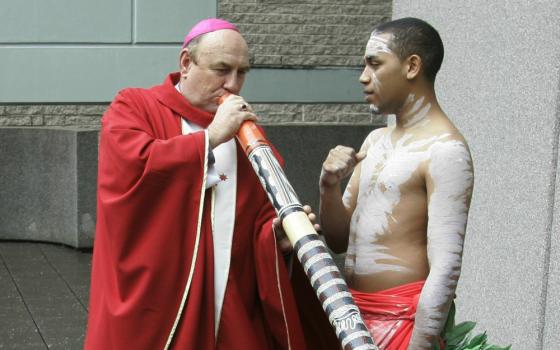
(409, 197)
(451, 170)
(418, 112)
(374, 47)
(384, 171)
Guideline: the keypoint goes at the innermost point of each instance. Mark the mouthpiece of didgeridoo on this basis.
(249, 135)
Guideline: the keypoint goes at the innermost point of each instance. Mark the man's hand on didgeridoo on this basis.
(282, 240)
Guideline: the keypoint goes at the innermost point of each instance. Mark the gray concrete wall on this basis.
(48, 185)
(304, 148)
(500, 83)
(48, 177)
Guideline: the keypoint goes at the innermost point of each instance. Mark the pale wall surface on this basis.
(500, 84)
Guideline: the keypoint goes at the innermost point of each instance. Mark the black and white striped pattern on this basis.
(273, 179)
(326, 279)
(333, 293)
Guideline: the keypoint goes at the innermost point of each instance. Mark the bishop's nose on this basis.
(234, 82)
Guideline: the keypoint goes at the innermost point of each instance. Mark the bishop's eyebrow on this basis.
(224, 65)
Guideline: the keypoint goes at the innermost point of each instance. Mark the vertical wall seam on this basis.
(76, 167)
(133, 22)
(550, 220)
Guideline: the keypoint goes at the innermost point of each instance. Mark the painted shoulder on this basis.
(450, 158)
(373, 137)
(451, 144)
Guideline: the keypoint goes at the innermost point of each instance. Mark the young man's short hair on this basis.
(414, 36)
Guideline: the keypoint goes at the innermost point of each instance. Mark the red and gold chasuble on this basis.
(153, 263)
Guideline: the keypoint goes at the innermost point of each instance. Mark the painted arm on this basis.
(334, 211)
(449, 184)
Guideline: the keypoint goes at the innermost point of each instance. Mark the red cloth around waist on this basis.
(389, 314)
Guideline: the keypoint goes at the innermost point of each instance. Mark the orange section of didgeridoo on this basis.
(249, 135)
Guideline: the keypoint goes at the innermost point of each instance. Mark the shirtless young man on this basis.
(403, 215)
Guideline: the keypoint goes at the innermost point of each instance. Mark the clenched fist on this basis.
(339, 164)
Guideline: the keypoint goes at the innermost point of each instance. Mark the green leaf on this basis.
(458, 333)
(450, 323)
(479, 339)
(470, 347)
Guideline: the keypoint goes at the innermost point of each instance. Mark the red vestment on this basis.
(150, 189)
(389, 314)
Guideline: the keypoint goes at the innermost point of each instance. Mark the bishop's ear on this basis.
(184, 62)
(414, 65)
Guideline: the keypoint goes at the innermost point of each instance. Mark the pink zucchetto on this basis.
(206, 26)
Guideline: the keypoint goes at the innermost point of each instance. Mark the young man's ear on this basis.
(413, 66)
(184, 62)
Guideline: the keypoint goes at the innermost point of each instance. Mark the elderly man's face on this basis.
(220, 66)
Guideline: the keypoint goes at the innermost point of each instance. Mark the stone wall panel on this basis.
(306, 32)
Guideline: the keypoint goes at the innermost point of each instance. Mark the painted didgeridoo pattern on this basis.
(323, 274)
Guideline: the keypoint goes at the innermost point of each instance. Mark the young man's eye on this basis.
(370, 61)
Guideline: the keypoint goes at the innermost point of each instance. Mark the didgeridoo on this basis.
(323, 274)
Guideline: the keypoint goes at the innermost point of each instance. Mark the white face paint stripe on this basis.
(376, 45)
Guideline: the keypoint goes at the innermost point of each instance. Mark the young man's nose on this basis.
(365, 77)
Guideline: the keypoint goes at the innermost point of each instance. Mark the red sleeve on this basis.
(130, 150)
(150, 188)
